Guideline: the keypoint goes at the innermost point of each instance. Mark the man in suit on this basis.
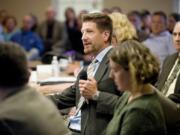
(169, 79)
(98, 90)
(23, 110)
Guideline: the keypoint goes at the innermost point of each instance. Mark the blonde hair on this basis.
(122, 28)
(134, 57)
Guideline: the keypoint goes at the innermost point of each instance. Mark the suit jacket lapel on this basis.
(177, 87)
(170, 64)
(167, 69)
(102, 67)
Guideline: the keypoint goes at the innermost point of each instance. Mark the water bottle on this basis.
(55, 66)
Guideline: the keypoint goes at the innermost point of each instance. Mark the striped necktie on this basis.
(171, 77)
(91, 68)
(76, 119)
(90, 72)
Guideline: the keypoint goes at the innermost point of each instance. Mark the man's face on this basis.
(135, 20)
(93, 39)
(27, 22)
(171, 23)
(176, 36)
(147, 21)
(158, 24)
(50, 15)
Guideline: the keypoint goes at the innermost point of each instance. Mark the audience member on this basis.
(135, 18)
(138, 111)
(74, 33)
(30, 41)
(160, 41)
(99, 90)
(10, 29)
(122, 28)
(23, 110)
(3, 14)
(172, 19)
(75, 66)
(35, 23)
(53, 34)
(169, 79)
(146, 21)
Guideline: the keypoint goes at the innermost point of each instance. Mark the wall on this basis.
(19, 8)
(167, 6)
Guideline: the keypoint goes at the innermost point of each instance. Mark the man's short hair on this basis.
(176, 16)
(160, 13)
(14, 68)
(102, 21)
(135, 13)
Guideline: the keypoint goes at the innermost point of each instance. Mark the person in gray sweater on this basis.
(24, 111)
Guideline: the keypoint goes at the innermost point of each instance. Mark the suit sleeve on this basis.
(66, 98)
(106, 103)
(108, 97)
(5, 129)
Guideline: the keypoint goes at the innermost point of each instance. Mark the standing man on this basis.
(53, 33)
(169, 79)
(99, 91)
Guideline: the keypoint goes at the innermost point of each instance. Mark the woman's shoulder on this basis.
(147, 103)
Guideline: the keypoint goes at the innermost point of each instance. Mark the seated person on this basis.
(122, 28)
(23, 110)
(54, 36)
(169, 79)
(30, 41)
(160, 40)
(139, 111)
(9, 27)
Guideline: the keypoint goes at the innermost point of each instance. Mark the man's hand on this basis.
(88, 88)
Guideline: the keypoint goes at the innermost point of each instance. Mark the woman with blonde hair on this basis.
(122, 28)
(138, 111)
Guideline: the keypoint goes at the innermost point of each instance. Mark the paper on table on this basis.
(55, 80)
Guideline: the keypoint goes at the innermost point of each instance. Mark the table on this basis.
(33, 64)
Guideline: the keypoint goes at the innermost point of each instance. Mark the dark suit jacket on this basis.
(171, 115)
(26, 112)
(96, 115)
(59, 42)
(166, 69)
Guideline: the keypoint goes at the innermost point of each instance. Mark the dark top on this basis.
(142, 116)
(26, 112)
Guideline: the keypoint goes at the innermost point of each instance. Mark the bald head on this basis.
(50, 13)
(27, 22)
(176, 36)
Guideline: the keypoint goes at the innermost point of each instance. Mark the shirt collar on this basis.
(101, 55)
(164, 33)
